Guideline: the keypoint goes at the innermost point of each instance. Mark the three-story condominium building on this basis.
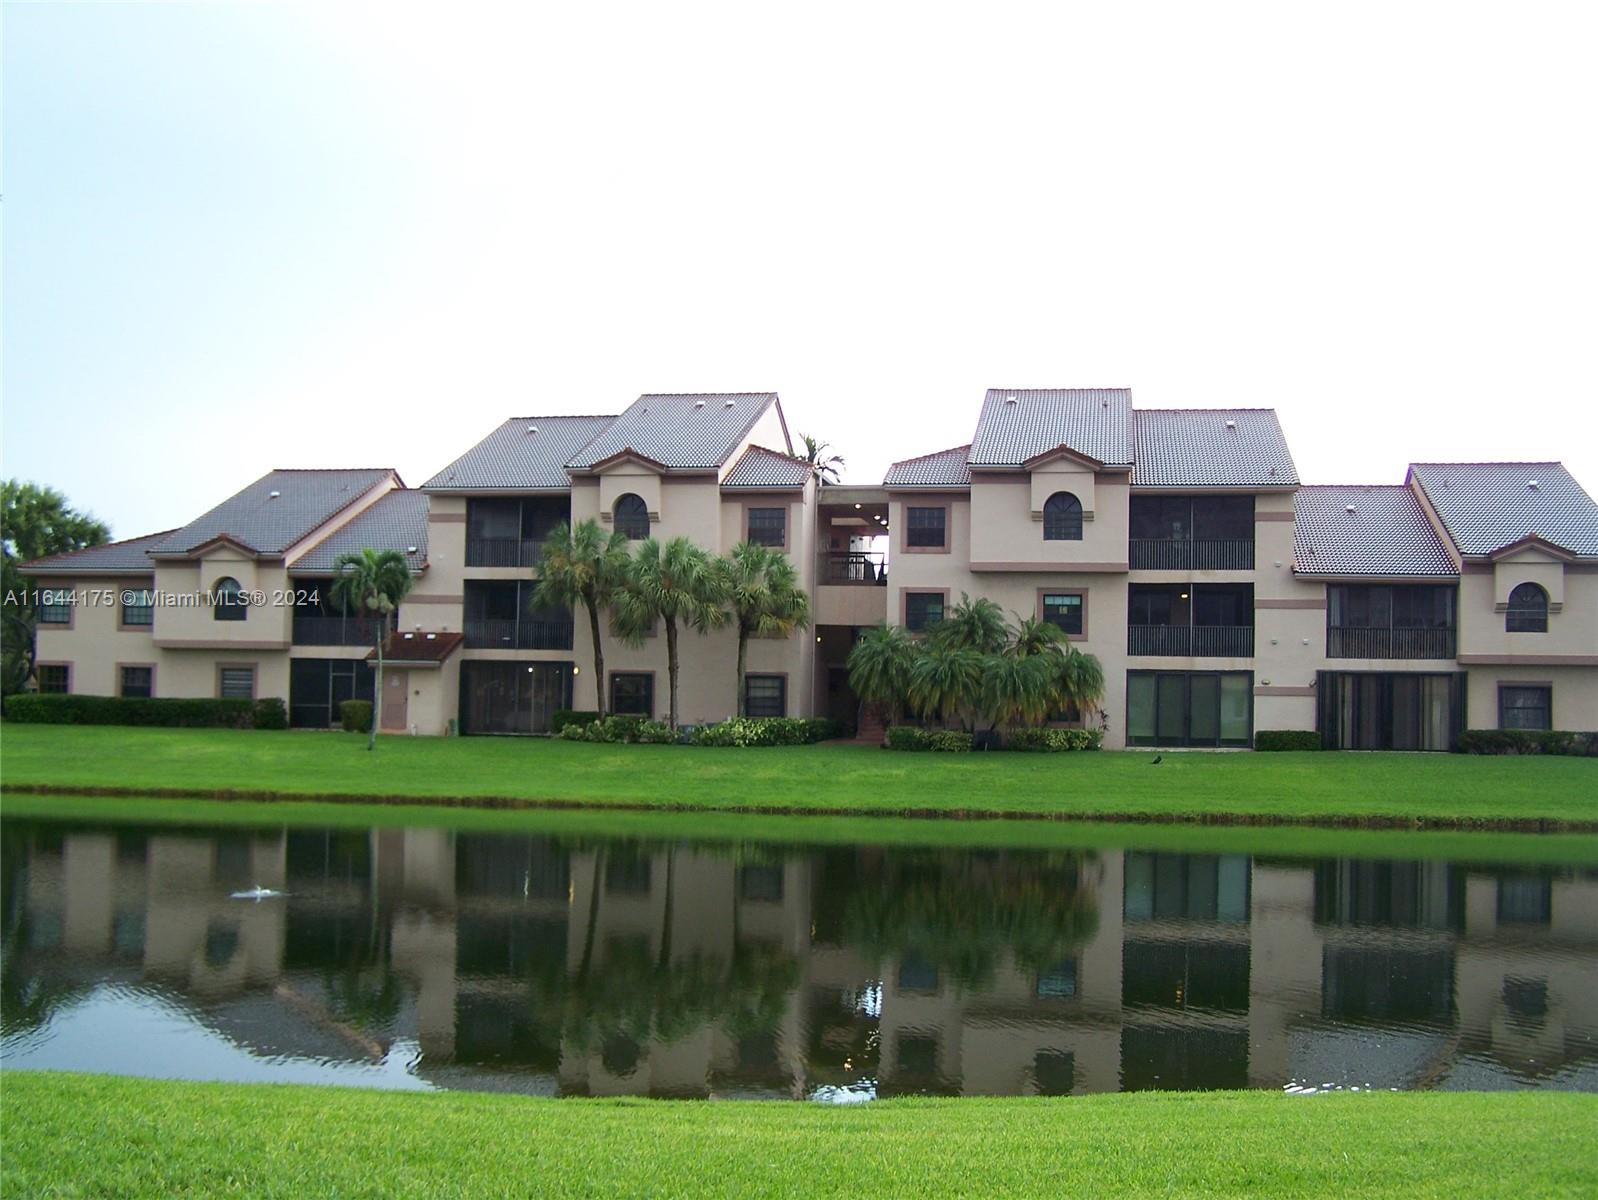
(1221, 595)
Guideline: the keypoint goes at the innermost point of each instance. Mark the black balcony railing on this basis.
(1346, 641)
(1192, 554)
(490, 633)
(1191, 641)
(335, 631)
(502, 552)
(865, 567)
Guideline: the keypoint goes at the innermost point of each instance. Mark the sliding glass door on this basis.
(1189, 708)
(513, 697)
(1390, 710)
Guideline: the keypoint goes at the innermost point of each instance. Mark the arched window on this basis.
(632, 517)
(228, 601)
(1528, 610)
(1062, 518)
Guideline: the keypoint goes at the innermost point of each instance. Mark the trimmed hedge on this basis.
(31, 708)
(767, 731)
(355, 716)
(1287, 739)
(1529, 741)
(271, 713)
(1054, 741)
(949, 741)
(571, 716)
(907, 737)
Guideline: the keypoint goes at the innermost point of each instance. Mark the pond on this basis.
(558, 965)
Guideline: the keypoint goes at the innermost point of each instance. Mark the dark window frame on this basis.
(766, 534)
(924, 623)
(148, 689)
(1081, 610)
(1062, 518)
(1530, 615)
(762, 708)
(919, 526)
(634, 523)
(224, 670)
(616, 706)
(1507, 691)
(145, 611)
(55, 614)
(227, 602)
(50, 689)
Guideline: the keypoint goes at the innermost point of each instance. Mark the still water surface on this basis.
(421, 958)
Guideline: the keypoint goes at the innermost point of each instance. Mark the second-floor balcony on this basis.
(499, 633)
(502, 551)
(320, 629)
(1346, 641)
(1191, 554)
(1191, 641)
(868, 568)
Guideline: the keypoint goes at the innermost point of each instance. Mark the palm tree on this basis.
(762, 588)
(827, 466)
(879, 666)
(676, 583)
(1018, 688)
(972, 625)
(1067, 677)
(581, 564)
(373, 583)
(946, 680)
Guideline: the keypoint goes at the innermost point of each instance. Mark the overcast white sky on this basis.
(242, 238)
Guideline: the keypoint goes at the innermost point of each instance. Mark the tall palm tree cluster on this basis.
(676, 585)
(975, 666)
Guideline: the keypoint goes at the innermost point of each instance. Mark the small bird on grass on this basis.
(1158, 758)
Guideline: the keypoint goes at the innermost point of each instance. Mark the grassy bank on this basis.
(832, 778)
(72, 1135)
(735, 829)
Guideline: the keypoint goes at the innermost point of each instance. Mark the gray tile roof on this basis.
(683, 431)
(1211, 447)
(1386, 534)
(270, 524)
(515, 458)
(945, 468)
(762, 468)
(1096, 422)
(1486, 506)
(113, 558)
(398, 521)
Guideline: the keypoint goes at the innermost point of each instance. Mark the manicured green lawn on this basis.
(76, 1135)
(732, 828)
(838, 778)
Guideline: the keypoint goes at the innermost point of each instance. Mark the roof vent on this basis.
(410, 549)
(532, 429)
(275, 495)
(699, 403)
(1231, 424)
(1009, 399)
(729, 403)
(1348, 508)
(1532, 485)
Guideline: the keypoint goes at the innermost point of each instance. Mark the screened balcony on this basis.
(501, 616)
(510, 531)
(1190, 621)
(323, 624)
(1401, 621)
(1192, 533)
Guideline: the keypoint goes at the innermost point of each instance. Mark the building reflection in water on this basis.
(594, 967)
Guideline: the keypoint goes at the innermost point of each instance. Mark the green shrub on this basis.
(571, 716)
(1054, 741)
(655, 733)
(766, 731)
(907, 737)
(355, 716)
(1287, 739)
(573, 733)
(951, 740)
(30, 708)
(271, 713)
(1529, 741)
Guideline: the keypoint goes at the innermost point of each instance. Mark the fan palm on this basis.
(972, 625)
(762, 588)
(946, 680)
(826, 464)
(372, 583)
(879, 666)
(581, 564)
(676, 583)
